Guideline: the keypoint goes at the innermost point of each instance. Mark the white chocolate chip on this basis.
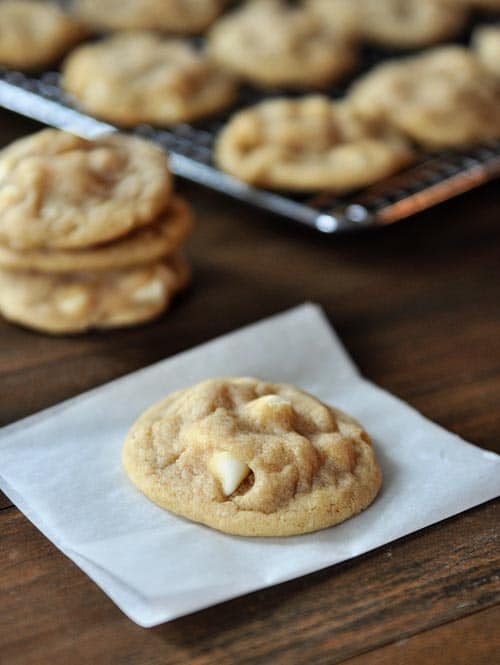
(274, 400)
(151, 292)
(269, 407)
(228, 470)
(9, 194)
(72, 301)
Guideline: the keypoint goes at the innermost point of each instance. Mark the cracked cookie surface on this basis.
(252, 458)
(309, 144)
(142, 77)
(61, 191)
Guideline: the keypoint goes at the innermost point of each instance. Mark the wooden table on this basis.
(418, 307)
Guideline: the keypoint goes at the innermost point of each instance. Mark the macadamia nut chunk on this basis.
(252, 458)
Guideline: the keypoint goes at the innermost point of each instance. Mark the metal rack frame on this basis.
(433, 179)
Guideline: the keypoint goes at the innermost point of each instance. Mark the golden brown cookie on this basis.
(252, 458)
(308, 144)
(272, 43)
(35, 34)
(443, 98)
(343, 16)
(180, 16)
(486, 44)
(140, 77)
(394, 23)
(75, 302)
(60, 191)
(146, 245)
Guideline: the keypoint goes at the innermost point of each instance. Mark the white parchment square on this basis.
(62, 469)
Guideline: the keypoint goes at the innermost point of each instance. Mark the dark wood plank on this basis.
(474, 640)
(450, 570)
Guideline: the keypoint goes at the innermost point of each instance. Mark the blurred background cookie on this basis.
(179, 16)
(442, 98)
(75, 302)
(273, 43)
(90, 234)
(60, 191)
(141, 77)
(307, 144)
(394, 23)
(486, 44)
(34, 34)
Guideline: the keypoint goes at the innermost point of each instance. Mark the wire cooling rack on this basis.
(433, 179)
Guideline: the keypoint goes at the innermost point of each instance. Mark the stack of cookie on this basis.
(90, 232)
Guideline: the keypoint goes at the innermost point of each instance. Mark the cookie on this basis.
(179, 16)
(35, 34)
(76, 302)
(486, 44)
(147, 245)
(141, 77)
(61, 191)
(273, 43)
(252, 458)
(394, 23)
(342, 16)
(411, 23)
(443, 98)
(308, 144)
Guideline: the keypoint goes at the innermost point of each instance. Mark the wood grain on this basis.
(416, 305)
(472, 640)
(424, 580)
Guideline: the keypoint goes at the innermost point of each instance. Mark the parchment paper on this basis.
(62, 468)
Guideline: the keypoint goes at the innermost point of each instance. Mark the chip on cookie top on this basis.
(34, 34)
(273, 43)
(252, 458)
(308, 144)
(61, 191)
(179, 16)
(141, 77)
(442, 98)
